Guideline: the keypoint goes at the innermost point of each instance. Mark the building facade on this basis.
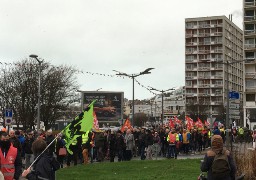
(211, 44)
(250, 67)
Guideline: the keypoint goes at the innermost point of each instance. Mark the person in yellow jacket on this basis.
(186, 139)
(86, 146)
(172, 140)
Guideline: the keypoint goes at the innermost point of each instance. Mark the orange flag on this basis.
(127, 124)
(95, 122)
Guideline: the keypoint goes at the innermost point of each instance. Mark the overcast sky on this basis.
(99, 36)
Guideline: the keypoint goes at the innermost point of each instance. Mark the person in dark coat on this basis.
(142, 143)
(112, 146)
(217, 147)
(120, 144)
(49, 138)
(28, 148)
(15, 141)
(45, 166)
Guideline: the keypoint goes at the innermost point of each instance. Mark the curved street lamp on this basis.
(146, 71)
(39, 89)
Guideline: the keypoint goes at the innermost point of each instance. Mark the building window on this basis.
(250, 97)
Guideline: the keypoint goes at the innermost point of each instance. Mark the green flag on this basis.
(82, 124)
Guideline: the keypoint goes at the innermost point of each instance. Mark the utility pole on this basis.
(147, 71)
(162, 93)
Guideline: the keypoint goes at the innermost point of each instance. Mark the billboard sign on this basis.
(109, 104)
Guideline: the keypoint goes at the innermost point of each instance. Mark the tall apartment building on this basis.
(211, 43)
(250, 68)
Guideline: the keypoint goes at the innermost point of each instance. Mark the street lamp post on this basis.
(147, 71)
(162, 92)
(39, 89)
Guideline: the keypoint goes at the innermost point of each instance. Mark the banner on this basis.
(82, 124)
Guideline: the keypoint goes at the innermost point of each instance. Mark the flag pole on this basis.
(44, 150)
(54, 140)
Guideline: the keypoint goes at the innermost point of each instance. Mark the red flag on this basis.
(176, 120)
(190, 122)
(95, 122)
(206, 123)
(199, 123)
(171, 124)
(127, 124)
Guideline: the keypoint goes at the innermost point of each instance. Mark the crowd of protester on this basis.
(110, 145)
(144, 143)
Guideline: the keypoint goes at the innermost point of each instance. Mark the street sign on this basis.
(8, 116)
(8, 121)
(234, 106)
(234, 117)
(234, 111)
(8, 113)
(234, 95)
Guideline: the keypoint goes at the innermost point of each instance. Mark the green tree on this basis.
(19, 91)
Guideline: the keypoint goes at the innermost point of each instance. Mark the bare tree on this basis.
(19, 91)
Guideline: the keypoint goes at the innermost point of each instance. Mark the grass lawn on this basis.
(161, 169)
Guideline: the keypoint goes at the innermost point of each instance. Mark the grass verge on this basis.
(162, 169)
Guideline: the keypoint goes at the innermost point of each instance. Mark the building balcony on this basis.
(191, 26)
(216, 34)
(189, 60)
(203, 94)
(250, 89)
(216, 59)
(249, 18)
(190, 94)
(216, 85)
(204, 85)
(216, 50)
(204, 69)
(250, 32)
(204, 60)
(249, 5)
(249, 46)
(191, 44)
(203, 34)
(216, 77)
(205, 26)
(216, 68)
(204, 77)
(249, 60)
(203, 51)
(216, 103)
(191, 52)
(216, 42)
(250, 74)
(250, 104)
(216, 94)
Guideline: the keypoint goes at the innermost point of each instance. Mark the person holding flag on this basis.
(80, 125)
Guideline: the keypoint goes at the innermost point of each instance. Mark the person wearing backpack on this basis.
(218, 162)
